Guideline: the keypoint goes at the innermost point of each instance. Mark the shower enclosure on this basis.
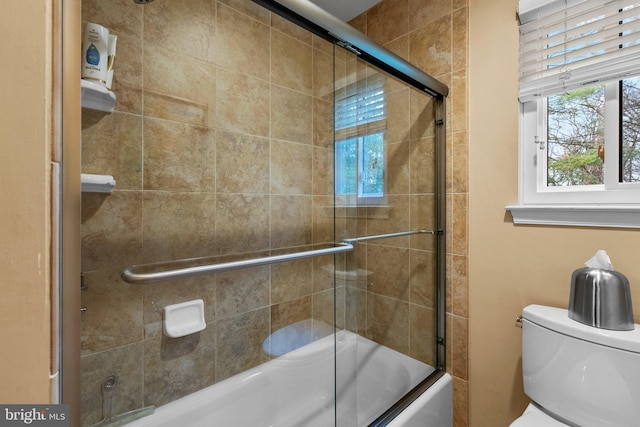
(283, 169)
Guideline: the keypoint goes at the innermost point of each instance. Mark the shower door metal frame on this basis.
(313, 18)
(441, 156)
(308, 15)
(67, 69)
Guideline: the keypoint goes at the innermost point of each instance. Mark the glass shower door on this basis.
(386, 205)
(279, 143)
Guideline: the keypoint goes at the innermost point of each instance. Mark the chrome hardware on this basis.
(108, 417)
(386, 236)
(348, 47)
(108, 386)
(540, 142)
(519, 322)
(129, 276)
(145, 278)
(83, 309)
(109, 383)
(345, 45)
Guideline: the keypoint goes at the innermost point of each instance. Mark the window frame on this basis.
(534, 165)
(612, 204)
(360, 113)
(357, 199)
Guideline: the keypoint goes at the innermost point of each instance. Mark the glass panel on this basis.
(386, 309)
(360, 123)
(575, 137)
(630, 132)
(346, 169)
(372, 166)
(237, 162)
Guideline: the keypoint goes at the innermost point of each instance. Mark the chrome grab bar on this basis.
(146, 278)
(386, 236)
(160, 276)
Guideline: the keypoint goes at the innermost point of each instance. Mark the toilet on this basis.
(578, 375)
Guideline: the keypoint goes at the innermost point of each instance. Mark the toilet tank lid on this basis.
(557, 319)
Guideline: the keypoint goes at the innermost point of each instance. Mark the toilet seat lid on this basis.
(534, 417)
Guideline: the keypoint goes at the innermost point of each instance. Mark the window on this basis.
(360, 124)
(583, 146)
(360, 166)
(580, 105)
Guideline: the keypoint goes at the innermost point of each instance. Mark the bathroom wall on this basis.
(26, 120)
(220, 143)
(513, 266)
(432, 34)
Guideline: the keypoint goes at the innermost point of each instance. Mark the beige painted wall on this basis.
(513, 266)
(25, 142)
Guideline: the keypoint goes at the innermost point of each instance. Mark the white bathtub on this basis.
(297, 390)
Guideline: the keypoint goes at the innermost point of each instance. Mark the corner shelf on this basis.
(97, 183)
(96, 96)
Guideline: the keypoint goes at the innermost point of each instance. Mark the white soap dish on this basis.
(184, 319)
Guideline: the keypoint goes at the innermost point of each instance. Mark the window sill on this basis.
(617, 216)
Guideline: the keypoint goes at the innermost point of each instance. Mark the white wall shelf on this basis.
(96, 96)
(91, 183)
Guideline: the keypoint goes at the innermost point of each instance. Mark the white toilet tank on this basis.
(578, 373)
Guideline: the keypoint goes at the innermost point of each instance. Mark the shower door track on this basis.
(315, 19)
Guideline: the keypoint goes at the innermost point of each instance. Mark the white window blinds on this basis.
(360, 104)
(567, 44)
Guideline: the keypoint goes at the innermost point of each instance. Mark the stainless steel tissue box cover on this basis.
(601, 298)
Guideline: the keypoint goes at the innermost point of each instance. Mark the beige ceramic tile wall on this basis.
(432, 34)
(220, 143)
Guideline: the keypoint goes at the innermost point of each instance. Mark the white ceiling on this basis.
(346, 9)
